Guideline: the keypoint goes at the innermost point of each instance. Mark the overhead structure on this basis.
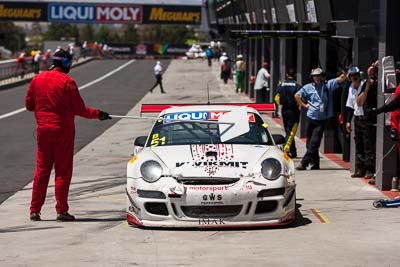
(137, 12)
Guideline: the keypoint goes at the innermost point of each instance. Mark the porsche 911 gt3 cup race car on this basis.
(210, 166)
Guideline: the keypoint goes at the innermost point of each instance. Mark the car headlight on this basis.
(271, 169)
(151, 171)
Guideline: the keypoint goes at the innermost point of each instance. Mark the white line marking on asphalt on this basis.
(9, 114)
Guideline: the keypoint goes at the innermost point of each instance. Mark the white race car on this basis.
(210, 166)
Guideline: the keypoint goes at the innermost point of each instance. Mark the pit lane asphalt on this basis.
(353, 234)
(116, 94)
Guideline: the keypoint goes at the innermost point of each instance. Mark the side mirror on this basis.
(278, 139)
(139, 143)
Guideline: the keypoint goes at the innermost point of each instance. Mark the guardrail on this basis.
(12, 69)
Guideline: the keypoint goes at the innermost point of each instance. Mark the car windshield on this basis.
(194, 132)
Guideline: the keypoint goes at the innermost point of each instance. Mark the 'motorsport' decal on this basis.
(213, 157)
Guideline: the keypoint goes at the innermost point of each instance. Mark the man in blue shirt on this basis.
(317, 98)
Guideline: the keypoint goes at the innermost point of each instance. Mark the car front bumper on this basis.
(246, 203)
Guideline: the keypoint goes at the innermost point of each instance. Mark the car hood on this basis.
(222, 160)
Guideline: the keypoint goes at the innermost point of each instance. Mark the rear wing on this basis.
(157, 108)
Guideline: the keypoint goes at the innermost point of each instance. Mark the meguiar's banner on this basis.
(172, 14)
(23, 11)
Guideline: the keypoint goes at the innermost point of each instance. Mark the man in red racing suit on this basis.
(55, 99)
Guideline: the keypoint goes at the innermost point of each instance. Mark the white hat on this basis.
(316, 71)
(240, 56)
(158, 63)
(224, 53)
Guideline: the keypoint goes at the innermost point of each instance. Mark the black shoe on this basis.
(35, 216)
(301, 167)
(151, 91)
(163, 92)
(65, 217)
(372, 181)
(369, 175)
(315, 167)
(357, 175)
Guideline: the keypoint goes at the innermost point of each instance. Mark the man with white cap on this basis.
(317, 98)
(158, 74)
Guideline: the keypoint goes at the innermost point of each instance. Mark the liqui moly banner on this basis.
(95, 13)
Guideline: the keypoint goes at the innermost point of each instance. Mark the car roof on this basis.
(202, 108)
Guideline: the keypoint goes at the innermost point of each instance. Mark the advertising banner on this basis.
(171, 14)
(95, 13)
(23, 11)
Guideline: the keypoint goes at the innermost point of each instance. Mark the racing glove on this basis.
(104, 116)
(394, 135)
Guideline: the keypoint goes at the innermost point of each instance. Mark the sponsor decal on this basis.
(161, 14)
(208, 188)
(211, 199)
(212, 163)
(141, 49)
(79, 13)
(119, 13)
(190, 116)
(95, 13)
(198, 116)
(160, 48)
(23, 11)
(207, 221)
(233, 164)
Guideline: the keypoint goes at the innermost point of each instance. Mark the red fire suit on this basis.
(395, 120)
(55, 99)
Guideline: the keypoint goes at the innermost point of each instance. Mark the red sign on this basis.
(119, 14)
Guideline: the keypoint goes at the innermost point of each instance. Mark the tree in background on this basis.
(87, 33)
(130, 34)
(12, 37)
(62, 31)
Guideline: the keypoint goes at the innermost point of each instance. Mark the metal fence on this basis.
(11, 69)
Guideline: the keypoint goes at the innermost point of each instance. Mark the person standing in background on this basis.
(158, 74)
(240, 70)
(261, 87)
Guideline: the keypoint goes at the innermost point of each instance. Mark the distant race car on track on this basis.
(210, 166)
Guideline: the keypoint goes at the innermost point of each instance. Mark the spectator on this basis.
(362, 135)
(317, 98)
(226, 70)
(21, 65)
(36, 61)
(222, 58)
(158, 75)
(240, 69)
(55, 99)
(261, 87)
(290, 110)
(209, 55)
(47, 58)
(367, 99)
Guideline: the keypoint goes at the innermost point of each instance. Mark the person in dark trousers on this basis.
(54, 98)
(209, 55)
(290, 110)
(158, 75)
(226, 70)
(317, 98)
(364, 130)
(365, 125)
